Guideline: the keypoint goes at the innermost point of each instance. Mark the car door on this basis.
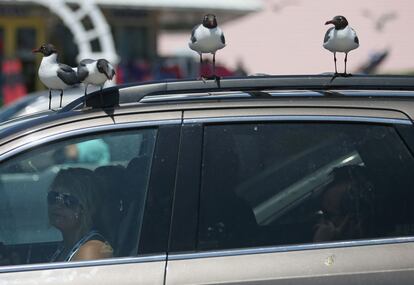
(132, 161)
(287, 195)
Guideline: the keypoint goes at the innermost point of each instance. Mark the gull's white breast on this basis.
(341, 40)
(208, 40)
(94, 77)
(48, 73)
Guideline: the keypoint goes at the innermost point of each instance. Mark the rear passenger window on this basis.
(295, 183)
(78, 199)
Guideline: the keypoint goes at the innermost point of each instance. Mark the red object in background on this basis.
(134, 71)
(119, 75)
(13, 86)
(171, 71)
(206, 69)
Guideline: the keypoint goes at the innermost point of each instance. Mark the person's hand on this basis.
(325, 231)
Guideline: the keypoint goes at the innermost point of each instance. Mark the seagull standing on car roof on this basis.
(95, 72)
(54, 75)
(340, 38)
(207, 38)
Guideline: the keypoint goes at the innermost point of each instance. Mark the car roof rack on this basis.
(252, 85)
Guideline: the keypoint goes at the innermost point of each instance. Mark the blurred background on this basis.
(148, 39)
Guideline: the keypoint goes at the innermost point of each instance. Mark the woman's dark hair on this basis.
(85, 186)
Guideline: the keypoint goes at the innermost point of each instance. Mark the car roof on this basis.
(226, 92)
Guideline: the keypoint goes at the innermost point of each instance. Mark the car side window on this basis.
(77, 199)
(272, 184)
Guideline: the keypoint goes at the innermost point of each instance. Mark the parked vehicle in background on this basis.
(264, 180)
(37, 102)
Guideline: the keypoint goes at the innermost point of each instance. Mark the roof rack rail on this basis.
(133, 93)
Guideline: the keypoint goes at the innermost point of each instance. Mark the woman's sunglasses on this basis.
(64, 199)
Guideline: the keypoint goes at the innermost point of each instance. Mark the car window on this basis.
(291, 183)
(58, 197)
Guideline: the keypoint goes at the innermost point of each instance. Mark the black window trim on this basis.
(184, 220)
(160, 192)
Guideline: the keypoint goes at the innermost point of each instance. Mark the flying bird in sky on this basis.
(207, 38)
(340, 38)
(283, 4)
(382, 20)
(54, 75)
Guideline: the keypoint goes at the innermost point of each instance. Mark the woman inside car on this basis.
(73, 202)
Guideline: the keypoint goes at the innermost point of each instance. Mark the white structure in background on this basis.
(73, 21)
(169, 12)
(240, 7)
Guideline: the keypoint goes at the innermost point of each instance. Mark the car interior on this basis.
(284, 181)
(25, 231)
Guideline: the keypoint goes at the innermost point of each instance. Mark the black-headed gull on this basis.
(340, 38)
(54, 75)
(95, 72)
(207, 38)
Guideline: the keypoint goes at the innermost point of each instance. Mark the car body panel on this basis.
(370, 264)
(127, 271)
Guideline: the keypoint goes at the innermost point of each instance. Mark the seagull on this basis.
(54, 75)
(207, 38)
(95, 72)
(340, 38)
(282, 4)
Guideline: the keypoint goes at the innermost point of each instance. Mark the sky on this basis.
(289, 40)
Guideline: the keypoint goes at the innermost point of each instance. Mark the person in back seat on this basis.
(73, 202)
(346, 206)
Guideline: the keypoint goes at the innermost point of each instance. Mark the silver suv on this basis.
(256, 180)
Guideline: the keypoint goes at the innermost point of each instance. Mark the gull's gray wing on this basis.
(67, 74)
(356, 39)
(223, 39)
(193, 38)
(327, 34)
